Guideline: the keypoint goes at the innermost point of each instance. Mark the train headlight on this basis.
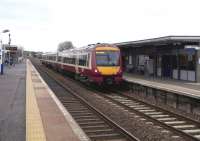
(96, 72)
(119, 72)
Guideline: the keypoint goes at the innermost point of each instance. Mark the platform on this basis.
(12, 103)
(185, 88)
(46, 118)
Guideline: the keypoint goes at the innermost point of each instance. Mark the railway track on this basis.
(170, 122)
(96, 125)
(181, 126)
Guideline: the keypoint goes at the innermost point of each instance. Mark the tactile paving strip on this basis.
(34, 127)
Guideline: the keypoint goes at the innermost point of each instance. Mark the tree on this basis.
(65, 45)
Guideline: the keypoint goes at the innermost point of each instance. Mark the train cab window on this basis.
(107, 58)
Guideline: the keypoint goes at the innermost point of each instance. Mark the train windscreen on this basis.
(107, 58)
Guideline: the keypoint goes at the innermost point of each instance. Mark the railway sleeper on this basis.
(106, 136)
(87, 120)
(79, 111)
(83, 117)
(91, 123)
(186, 126)
(81, 114)
(76, 109)
(74, 106)
(69, 102)
(100, 132)
(95, 127)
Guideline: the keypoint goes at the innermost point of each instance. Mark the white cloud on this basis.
(46, 23)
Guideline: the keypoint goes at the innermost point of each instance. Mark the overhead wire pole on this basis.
(9, 41)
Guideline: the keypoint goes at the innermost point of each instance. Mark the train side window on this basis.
(65, 60)
(59, 58)
(69, 60)
(82, 60)
(73, 59)
(53, 58)
(79, 60)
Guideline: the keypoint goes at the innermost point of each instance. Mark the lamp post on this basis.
(2, 51)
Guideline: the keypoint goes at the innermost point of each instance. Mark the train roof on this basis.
(89, 47)
(49, 53)
(81, 50)
(161, 41)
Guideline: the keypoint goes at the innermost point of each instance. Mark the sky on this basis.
(40, 25)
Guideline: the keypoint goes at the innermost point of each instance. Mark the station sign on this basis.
(11, 48)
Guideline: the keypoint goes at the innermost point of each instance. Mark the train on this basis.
(96, 63)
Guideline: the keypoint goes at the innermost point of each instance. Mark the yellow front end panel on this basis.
(108, 70)
(107, 48)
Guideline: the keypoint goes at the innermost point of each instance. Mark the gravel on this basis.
(136, 126)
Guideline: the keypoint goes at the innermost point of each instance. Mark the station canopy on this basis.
(162, 41)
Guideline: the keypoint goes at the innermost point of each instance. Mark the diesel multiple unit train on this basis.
(97, 63)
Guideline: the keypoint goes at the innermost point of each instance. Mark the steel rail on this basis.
(127, 134)
(183, 134)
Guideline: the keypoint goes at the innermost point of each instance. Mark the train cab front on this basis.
(110, 75)
(108, 65)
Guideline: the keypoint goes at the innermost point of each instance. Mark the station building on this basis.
(173, 57)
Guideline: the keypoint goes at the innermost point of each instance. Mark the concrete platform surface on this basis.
(186, 88)
(46, 117)
(12, 103)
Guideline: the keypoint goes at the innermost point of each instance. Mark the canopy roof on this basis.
(162, 41)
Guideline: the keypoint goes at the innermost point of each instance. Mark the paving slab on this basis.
(51, 120)
(12, 103)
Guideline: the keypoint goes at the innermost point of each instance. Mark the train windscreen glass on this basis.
(107, 58)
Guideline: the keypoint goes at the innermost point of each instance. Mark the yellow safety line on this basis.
(34, 126)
